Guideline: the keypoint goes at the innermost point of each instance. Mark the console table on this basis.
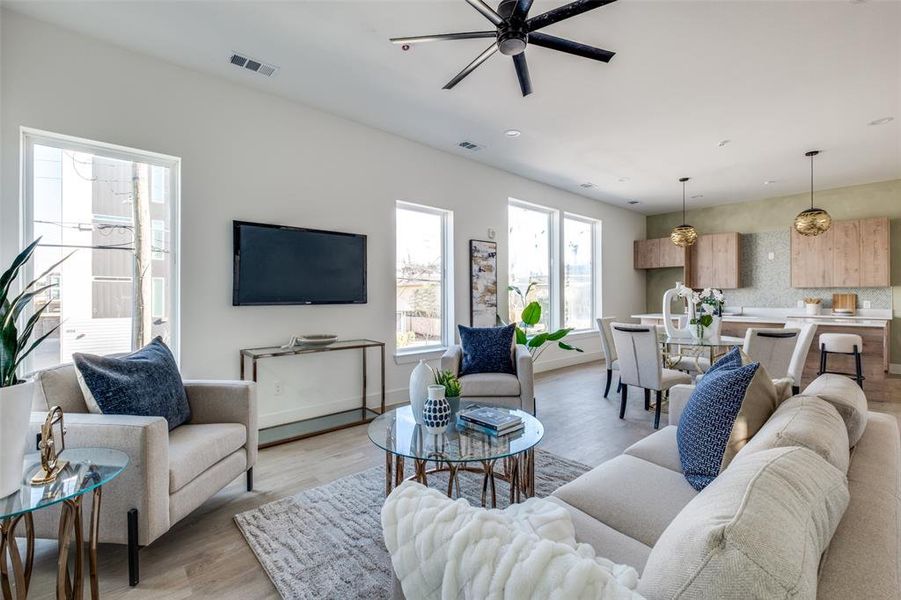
(288, 432)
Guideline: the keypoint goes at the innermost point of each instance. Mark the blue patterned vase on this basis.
(436, 413)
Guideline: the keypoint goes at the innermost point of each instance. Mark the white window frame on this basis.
(30, 136)
(447, 287)
(595, 268)
(554, 249)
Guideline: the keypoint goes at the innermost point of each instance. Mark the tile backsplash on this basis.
(767, 282)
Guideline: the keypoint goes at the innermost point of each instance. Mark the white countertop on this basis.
(863, 318)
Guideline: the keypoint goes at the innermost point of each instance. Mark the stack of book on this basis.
(490, 420)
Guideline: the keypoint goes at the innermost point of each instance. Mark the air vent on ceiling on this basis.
(252, 65)
(587, 185)
(472, 147)
(633, 202)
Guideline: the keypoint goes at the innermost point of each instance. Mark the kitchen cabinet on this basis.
(714, 261)
(850, 254)
(657, 253)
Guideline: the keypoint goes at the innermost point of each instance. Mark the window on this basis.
(115, 210)
(530, 242)
(423, 291)
(578, 272)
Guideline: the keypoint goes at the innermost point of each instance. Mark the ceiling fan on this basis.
(515, 30)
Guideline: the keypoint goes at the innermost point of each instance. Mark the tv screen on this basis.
(290, 265)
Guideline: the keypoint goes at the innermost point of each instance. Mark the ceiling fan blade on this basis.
(521, 10)
(440, 37)
(564, 12)
(488, 12)
(471, 66)
(570, 47)
(522, 73)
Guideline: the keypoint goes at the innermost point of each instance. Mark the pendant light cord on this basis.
(811, 181)
(683, 197)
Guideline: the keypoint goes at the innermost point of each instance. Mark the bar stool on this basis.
(841, 343)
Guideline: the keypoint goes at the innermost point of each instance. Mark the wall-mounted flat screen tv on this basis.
(275, 264)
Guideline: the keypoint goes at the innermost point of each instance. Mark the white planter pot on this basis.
(15, 414)
(812, 309)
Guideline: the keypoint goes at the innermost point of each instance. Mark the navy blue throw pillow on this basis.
(487, 349)
(708, 420)
(145, 383)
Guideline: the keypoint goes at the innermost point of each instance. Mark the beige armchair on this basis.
(170, 473)
(504, 389)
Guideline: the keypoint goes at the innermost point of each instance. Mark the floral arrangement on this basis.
(450, 382)
(706, 304)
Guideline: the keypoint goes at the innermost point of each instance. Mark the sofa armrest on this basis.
(144, 484)
(678, 398)
(525, 374)
(226, 402)
(452, 359)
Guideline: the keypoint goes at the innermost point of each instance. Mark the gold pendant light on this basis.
(684, 235)
(813, 221)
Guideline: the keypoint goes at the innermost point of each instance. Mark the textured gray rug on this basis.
(327, 542)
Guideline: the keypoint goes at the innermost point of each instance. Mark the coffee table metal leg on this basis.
(389, 476)
(398, 470)
(419, 466)
(9, 549)
(92, 542)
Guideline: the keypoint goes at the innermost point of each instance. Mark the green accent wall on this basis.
(881, 199)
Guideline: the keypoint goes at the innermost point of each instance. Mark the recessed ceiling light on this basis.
(511, 133)
(624, 179)
(769, 182)
(882, 121)
(696, 196)
(723, 143)
(633, 201)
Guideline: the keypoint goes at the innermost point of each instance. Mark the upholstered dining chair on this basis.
(641, 365)
(802, 348)
(772, 348)
(609, 350)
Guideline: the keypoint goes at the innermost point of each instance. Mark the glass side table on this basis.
(458, 449)
(89, 469)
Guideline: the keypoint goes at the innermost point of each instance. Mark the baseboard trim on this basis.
(894, 369)
(573, 358)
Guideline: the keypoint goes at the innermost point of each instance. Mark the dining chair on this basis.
(772, 348)
(608, 349)
(802, 348)
(641, 365)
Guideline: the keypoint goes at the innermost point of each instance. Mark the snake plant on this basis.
(14, 344)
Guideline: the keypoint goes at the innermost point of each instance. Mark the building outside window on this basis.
(423, 291)
(113, 209)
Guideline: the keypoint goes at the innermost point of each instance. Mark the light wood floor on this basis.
(205, 556)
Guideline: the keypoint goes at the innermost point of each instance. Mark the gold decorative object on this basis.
(812, 221)
(684, 235)
(51, 465)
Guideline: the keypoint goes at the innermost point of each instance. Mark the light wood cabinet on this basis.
(875, 252)
(657, 253)
(851, 254)
(714, 261)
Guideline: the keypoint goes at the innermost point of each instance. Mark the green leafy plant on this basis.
(530, 316)
(14, 345)
(450, 382)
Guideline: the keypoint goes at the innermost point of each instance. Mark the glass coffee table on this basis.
(510, 457)
(87, 471)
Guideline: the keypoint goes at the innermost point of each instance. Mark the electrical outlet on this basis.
(771, 256)
(867, 304)
(800, 304)
(279, 388)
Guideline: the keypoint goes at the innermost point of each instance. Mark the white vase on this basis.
(420, 380)
(436, 413)
(15, 413)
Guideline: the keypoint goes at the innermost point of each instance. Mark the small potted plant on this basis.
(451, 388)
(15, 346)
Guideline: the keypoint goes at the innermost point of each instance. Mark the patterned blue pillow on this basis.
(487, 349)
(730, 360)
(145, 383)
(708, 422)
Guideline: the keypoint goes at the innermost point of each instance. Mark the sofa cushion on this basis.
(606, 541)
(757, 531)
(195, 448)
(804, 421)
(847, 398)
(144, 383)
(630, 495)
(659, 448)
(725, 410)
(489, 384)
(487, 349)
(58, 386)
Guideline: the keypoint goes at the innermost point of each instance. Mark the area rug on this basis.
(327, 542)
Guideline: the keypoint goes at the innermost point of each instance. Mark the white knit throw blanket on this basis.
(446, 549)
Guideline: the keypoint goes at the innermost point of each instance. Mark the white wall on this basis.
(253, 156)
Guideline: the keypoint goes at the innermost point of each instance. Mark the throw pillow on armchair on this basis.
(487, 349)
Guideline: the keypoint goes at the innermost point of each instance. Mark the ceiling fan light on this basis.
(684, 235)
(813, 222)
